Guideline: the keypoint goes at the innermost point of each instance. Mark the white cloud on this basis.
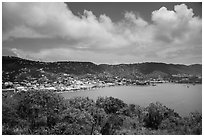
(174, 25)
(138, 21)
(133, 37)
(57, 54)
(163, 16)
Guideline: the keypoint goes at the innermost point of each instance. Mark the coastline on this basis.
(99, 87)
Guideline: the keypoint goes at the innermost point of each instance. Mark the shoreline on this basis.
(94, 88)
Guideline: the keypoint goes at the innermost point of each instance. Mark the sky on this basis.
(112, 33)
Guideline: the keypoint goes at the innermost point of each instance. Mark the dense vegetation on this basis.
(45, 112)
(17, 69)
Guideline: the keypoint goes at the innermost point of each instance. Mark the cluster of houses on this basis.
(65, 82)
(186, 78)
(58, 86)
(69, 83)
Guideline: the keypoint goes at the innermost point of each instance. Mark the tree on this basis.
(81, 103)
(89, 106)
(114, 122)
(110, 105)
(74, 122)
(155, 113)
(35, 109)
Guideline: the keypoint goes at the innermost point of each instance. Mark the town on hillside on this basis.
(66, 82)
(22, 75)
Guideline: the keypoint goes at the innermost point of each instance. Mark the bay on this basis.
(182, 98)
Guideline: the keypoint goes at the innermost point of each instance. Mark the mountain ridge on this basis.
(60, 61)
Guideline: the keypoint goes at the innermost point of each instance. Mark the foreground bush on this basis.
(156, 113)
(45, 113)
(110, 105)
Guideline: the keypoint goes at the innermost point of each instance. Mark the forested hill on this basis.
(13, 66)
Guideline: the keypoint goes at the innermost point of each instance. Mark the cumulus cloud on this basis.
(178, 30)
(138, 21)
(172, 34)
(174, 25)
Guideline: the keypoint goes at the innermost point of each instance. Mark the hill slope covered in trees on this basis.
(13, 66)
(47, 113)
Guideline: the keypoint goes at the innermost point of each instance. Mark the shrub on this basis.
(114, 123)
(187, 125)
(110, 105)
(32, 110)
(155, 113)
(74, 122)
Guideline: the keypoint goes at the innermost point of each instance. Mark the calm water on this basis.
(176, 96)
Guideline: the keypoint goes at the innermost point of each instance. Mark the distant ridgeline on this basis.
(18, 69)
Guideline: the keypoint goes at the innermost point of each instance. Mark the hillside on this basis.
(14, 68)
(153, 69)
